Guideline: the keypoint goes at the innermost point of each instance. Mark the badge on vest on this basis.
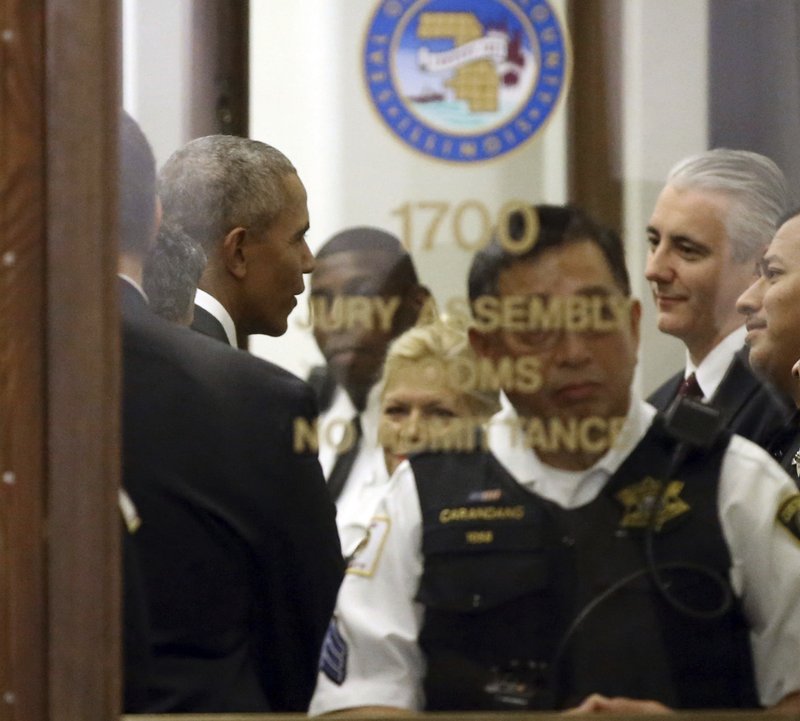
(789, 515)
(640, 499)
(364, 559)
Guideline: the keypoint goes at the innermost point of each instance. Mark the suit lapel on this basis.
(663, 396)
(736, 388)
(207, 324)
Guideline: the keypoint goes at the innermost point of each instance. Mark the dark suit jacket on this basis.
(136, 629)
(749, 406)
(208, 325)
(785, 444)
(238, 541)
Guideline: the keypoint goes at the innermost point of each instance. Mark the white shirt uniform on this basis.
(368, 478)
(376, 622)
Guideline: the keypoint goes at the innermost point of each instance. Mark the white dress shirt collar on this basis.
(332, 424)
(569, 489)
(136, 285)
(714, 366)
(209, 303)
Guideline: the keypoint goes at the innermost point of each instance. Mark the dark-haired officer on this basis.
(364, 294)
(559, 571)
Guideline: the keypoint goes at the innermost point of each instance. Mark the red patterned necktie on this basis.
(690, 387)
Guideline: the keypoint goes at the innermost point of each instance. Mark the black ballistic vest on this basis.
(513, 588)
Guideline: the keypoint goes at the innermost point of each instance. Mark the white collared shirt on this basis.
(136, 285)
(714, 366)
(378, 620)
(368, 478)
(209, 303)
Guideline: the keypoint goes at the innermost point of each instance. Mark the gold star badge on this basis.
(640, 499)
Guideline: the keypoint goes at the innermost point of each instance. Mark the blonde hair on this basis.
(441, 341)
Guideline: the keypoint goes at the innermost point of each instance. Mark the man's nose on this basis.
(658, 268)
(572, 348)
(749, 302)
(307, 263)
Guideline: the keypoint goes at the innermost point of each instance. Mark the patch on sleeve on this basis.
(789, 515)
(364, 560)
(333, 659)
(129, 512)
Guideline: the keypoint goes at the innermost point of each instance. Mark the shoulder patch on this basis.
(364, 560)
(789, 515)
(129, 512)
(333, 658)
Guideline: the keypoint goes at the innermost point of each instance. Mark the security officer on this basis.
(590, 559)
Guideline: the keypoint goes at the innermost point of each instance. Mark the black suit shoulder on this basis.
(205, 323)
(748, 406)
(662, 396)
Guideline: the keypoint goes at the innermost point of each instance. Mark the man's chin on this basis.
(276, 329)
(671, 325)
(758, 358)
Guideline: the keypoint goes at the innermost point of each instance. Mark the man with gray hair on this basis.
(244, 203)
(709, 228)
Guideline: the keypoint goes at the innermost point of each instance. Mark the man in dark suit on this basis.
(773, 330)
(709, 227)
(244, 203)
(237, 543)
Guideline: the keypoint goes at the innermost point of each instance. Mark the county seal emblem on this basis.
(465, 80)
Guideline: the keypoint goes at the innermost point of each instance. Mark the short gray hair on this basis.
(216, 183)
(754, 184)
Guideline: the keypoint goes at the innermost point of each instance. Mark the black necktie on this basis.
(690, 388)
(344, 462)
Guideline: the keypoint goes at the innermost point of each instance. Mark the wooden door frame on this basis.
(594, 147)
(59, 361)
(22, 344)
(82, 102)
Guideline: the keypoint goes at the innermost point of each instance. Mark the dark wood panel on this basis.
(219, 83)
(753, 715)
(83, 368)
(22, 553)
(595, 109)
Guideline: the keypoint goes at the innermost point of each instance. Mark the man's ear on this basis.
(417, 298)
(233, 256)
(635, 320)
(482, 343)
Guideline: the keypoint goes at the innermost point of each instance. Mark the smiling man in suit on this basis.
(710, 226)
(237, 545)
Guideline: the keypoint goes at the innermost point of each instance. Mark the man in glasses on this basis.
(594, 557)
